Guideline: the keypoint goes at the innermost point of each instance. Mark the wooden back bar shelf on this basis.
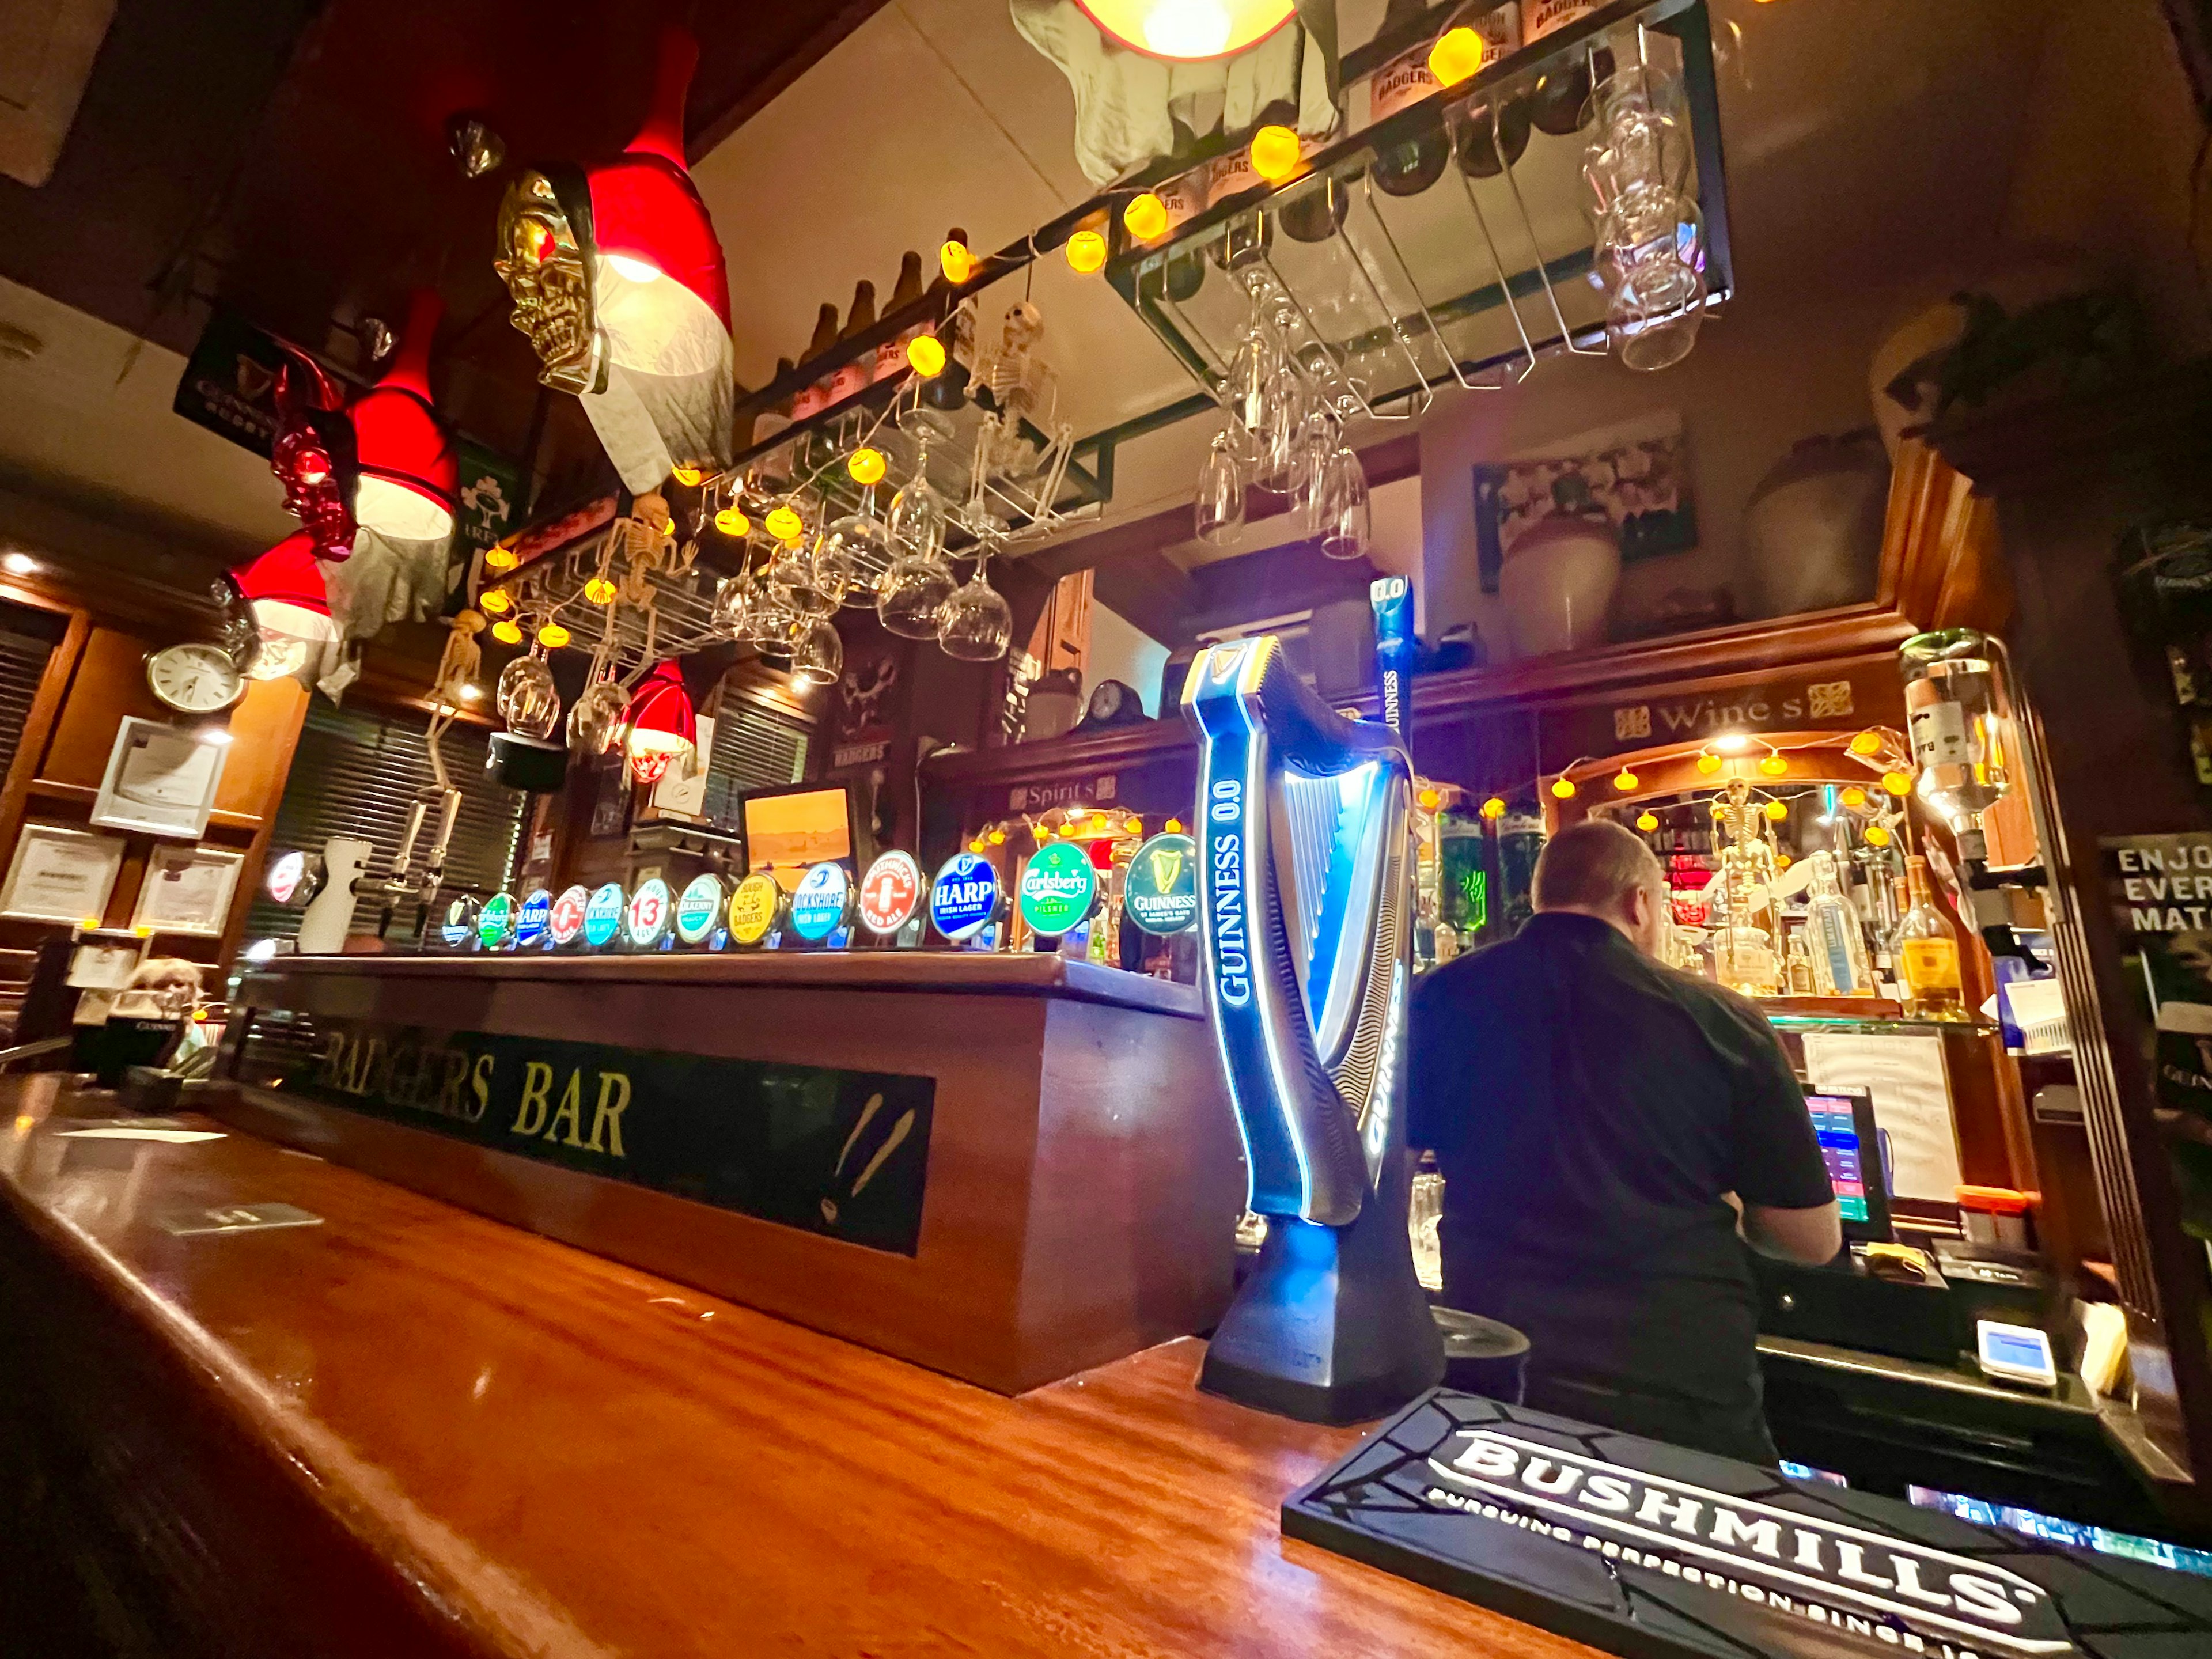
(1006, 1168)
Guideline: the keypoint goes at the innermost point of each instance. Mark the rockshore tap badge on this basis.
(753, 906)
(495, 922)
(818, 906)
(889, 893)
(651, 915)
(564, 924)
(530, 921)
(1159, 890)
(459, 930)
(1059, 887)
(964, 897)
(602, 916)
(699, 911)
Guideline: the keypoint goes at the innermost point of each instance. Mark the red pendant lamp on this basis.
(618, 278)
(290, 604)
(1188, 31)
(659, 726)
(410, 477)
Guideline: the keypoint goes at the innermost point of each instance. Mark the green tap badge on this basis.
(1159, 890)
(1059, 888)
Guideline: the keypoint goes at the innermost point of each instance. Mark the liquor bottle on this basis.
(948, 389)
(815, 397)
(1801, 963)
(1838, 947)
(1927, 952)
(1559, 103)
(1412, 165)
(1311, 209)
(773, 472)
(891, 355)
(851, 378)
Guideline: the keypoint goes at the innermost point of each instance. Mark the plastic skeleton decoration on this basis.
(1746, 880)
(619, 281)
(461, 662)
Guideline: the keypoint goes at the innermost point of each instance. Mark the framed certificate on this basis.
(161, 780)
(187, 890)
(61, 874)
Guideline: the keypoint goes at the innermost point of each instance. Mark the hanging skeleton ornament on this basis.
(462, 660)
(619, 281)
(314, 456)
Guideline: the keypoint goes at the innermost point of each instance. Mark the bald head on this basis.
(1597, 868)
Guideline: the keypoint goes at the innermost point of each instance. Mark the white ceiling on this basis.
(1867, 140)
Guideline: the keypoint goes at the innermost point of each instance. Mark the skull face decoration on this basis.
(618, 279)
(544, 270)
(314, 456)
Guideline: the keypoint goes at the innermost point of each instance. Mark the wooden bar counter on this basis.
(1005, 1167)
(411, 1429)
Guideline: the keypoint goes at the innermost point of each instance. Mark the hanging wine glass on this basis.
(1244, 388)
(733, 604)
(528, 701)
(848, 560)
(1220, 507)
(910, 602)
(817, 654)
(1285, 414)
(1310, 454)
(790, 576)
(916, 523)
(977, 623)
(595, 715)
(771, 618)
(1346, 519)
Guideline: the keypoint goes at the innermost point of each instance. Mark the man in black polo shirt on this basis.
(1605, 1125)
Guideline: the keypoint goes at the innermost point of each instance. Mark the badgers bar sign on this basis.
(1646, 1549)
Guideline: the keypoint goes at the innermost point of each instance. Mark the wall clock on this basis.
(194, 679)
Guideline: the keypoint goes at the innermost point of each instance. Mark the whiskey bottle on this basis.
(1927, 952)
(815, 397)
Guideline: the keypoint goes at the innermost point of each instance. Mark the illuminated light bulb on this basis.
(1275, 153)
(599, 591)
(1709, 764)
(688, 476)
(1867, 742)
(1855, 798)
(493, 600)
(1563, 789)
(976, 847)
(1189, 29)
(500, 558)
(1877, 836)
(1647, 822)
(505, 632)
(1720, 809)
(1625, 779)
(729, 522)
(925, 355)
(1431, 800)
(1783, 860)
(1174, 826)
(1493, 808)
(1133, 826)
(1456, 55)
(1086, 252)
(1097, 824)
(784, 524)
(956, 261)
(1774, 766)
(1897, 783)
(998, 838)
(637, 270)
(552, 636)
(866, 465)
(1777, 812)
(1731, 742)
(1146, 217)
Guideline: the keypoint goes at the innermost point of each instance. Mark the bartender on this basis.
(1611, 1132)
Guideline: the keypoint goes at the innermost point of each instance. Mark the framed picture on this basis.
(161, 780)
(187, 890)
(61, 874)
(1636, 474)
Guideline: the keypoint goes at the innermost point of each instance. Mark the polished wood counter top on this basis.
(549, 1454)
(974, 973)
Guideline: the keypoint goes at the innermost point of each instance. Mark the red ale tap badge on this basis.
(891, 893)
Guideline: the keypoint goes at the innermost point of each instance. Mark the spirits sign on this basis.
(889, 893)
(1638, 1548)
